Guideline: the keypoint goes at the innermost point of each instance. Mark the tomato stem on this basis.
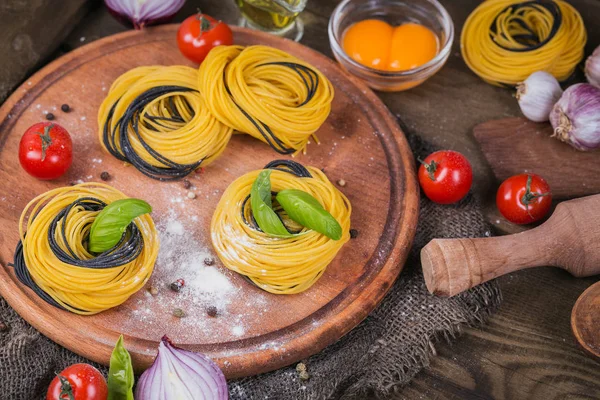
(46, 139)
(205, 24)
(65, 389)
(430, 168)
(530, 196)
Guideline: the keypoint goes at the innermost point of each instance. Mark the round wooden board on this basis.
(585, 320)
(255, 331)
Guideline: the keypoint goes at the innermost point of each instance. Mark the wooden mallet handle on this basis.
(570, 239)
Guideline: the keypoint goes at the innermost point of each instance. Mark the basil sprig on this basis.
(120, 373)
(262, 209)
(112, 221)
(303, 208)
(300, 207)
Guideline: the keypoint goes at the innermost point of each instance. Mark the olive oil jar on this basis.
(279, 17)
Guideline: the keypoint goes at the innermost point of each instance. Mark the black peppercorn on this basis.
(187, 184)
(49, 116)
(353, 233)
(209, 261)
(177, 285)
(65, 108)
(212, 311)
(105, 176)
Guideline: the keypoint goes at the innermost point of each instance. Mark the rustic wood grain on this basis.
(568, 239)
(585, 320)
(516, 145)
(359, 127)
(30, 32)
(526, 350)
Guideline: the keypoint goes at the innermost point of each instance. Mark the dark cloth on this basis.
(375, 359)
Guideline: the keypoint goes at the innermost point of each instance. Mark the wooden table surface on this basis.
(526, 350)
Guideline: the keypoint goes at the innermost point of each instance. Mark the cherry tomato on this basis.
(445, 176)
(78, 382)
(46, 150)
(524, 198)
(199, 33)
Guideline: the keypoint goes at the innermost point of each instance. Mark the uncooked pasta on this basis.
(169, 121)
(505, 41)
(266, 93)
(281, 265)
(52, 257)
(155, 118)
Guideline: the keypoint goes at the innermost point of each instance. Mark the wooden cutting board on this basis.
(585, 320)
(516, 145)
(255, 331)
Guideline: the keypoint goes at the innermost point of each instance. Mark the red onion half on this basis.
(181, 374)
(142, 13)
(576, 117)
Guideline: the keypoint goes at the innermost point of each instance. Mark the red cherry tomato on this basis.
(78, 382)
(445, 176)
(46, 150)
(524, 198)
(199, 33)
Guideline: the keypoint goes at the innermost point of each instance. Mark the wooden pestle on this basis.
(569, 239)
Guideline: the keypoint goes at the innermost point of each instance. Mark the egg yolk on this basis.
(412, 46)
(376, 44)
(368, 43)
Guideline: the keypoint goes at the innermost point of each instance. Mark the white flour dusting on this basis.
(183, 257)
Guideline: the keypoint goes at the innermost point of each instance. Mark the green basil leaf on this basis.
(111, 222)
(120, 373)
(260, 202)
(307, 211)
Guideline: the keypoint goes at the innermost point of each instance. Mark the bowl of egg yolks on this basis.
(392, 45)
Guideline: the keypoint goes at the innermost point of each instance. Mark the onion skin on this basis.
(576, 117)
(142, 13)
(179, 374)
(592, 68)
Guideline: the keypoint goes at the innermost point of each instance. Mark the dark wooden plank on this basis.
(30, 32)
(526, 351)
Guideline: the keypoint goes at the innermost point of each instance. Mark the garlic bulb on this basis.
(592, 68)
(537, 95)
(576, 117)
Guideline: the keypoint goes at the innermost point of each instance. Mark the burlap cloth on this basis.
(383, 353)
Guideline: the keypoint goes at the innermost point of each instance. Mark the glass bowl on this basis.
(429, 13)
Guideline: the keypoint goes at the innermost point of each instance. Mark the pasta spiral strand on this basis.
(505, 41)
(53, 260)
(278, 265)
(266, 93)
(154, 118)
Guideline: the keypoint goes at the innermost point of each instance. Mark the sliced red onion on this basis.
(576, 117)
(181, 374)
(142, 13)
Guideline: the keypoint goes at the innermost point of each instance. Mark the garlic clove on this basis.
(592, 68)
(576, 117)
(537, 95)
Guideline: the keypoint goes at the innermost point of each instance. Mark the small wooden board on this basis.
(255, 331)
(516, 145)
